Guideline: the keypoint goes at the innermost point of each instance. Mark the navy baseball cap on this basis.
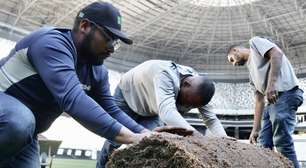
(105, 15)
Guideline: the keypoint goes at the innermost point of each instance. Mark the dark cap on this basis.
(105, 15)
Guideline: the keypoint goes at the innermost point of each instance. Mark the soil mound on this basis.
(173, 151)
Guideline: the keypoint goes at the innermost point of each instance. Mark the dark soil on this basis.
(172, 151)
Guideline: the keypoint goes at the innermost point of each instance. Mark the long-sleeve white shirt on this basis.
(152, 88)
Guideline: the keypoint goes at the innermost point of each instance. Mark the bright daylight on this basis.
(152, 84)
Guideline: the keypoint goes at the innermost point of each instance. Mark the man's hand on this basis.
(272, 94)
(145, 131)
(197, 134)
(140, 136)
(253, 137)
(174, 130)
(229, 138)
(126, 136)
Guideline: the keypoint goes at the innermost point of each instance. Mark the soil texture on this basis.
(172, 151)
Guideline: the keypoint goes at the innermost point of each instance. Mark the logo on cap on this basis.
(119, 20)
(81, 14)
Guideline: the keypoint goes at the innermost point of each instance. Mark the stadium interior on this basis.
(196, 33)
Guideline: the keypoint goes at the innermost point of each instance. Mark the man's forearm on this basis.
(172, 117)
(126, 136)
(127, 121)
(276, 60)
(259, 106)
(212, 122)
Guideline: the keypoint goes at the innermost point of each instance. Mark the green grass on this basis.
(73, 163)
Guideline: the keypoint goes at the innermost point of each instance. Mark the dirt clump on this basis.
(173, 151)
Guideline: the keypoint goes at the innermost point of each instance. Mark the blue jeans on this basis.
(147, 122)
(18, 142)
(278, 123)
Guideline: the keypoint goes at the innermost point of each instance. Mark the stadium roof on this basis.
(191, 32)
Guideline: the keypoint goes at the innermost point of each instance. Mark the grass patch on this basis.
(73, 163)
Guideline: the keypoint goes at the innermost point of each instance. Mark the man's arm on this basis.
(275, 57)
(125, 136)
(104, 98)
(271, 52)
(166, 102)
(51, 55)
(259, 106)
(212, 122)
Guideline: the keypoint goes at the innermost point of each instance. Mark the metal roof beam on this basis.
(196, 30)
(138, 28)
(163, 26)
(194, 35)
(13, 36)
(28, 5)
(180, 27)
(273, 29)
(70, 11)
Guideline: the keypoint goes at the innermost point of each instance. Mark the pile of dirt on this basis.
(172, 151)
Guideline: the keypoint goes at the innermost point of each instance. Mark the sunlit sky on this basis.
(70, 132)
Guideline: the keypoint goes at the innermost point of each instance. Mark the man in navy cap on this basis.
(54, 70)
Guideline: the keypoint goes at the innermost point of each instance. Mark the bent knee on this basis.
(283, 141)
(22, 128)
(18, 125)
(15, 135)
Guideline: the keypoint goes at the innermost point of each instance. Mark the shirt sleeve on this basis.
(251, 83)
(166, 102)
(106, 100)
(212, 122)
(261, 45)
(52, 57)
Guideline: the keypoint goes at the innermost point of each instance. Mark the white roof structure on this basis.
(191, 32)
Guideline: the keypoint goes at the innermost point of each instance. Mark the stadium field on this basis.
(73, 163)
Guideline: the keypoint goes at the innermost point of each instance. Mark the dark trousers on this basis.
(18, 143)
(278, 123)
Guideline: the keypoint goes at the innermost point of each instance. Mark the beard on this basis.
(88, 53)
(241, 62)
